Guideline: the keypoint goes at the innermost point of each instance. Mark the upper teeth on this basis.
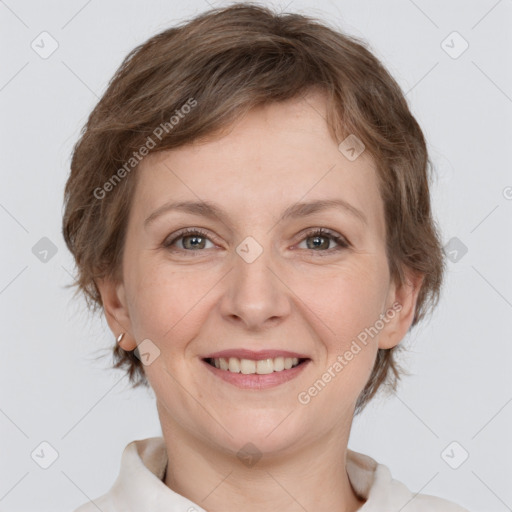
(261, 367)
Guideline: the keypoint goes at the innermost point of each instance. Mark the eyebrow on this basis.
(211, 210)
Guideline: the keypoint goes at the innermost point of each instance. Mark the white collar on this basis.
(139, 485)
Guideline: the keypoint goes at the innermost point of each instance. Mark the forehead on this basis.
(275, 155)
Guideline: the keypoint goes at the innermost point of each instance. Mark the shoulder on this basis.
(374, 483)
(138, 485)
(427, 503)
(103, 503)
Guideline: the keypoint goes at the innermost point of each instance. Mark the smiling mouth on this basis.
(258, 367)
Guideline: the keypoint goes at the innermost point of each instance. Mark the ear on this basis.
(115, 306)
(401, 301)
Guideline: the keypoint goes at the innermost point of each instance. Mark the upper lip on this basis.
(242, 353)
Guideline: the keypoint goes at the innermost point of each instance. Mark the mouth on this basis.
(254, 366)
(256, 374)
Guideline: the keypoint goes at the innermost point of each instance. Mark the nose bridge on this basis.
(254, 293)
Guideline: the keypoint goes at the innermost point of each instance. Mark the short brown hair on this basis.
(230, 60)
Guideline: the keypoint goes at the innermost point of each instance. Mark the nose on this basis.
(255, 295)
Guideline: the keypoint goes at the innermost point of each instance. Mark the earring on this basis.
(120, 337)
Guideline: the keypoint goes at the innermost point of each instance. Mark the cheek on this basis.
(165, 304)
(345, 301)
(346, 305)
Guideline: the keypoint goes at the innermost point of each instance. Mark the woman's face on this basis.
(255, 279)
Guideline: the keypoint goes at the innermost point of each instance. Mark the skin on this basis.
(190, 302)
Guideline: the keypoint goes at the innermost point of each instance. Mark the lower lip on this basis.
(255, 381)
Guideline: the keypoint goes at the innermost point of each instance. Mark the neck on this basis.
(312, 477)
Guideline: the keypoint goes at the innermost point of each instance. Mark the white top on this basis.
(139, 486)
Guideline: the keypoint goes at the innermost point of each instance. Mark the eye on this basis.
(193, 239)
(321, 239)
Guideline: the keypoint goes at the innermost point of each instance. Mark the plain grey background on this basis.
(458, 401)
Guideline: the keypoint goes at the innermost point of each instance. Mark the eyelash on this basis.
(318, 232)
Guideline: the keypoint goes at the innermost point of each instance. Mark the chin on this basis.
(266, 431)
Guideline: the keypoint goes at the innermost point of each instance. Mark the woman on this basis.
(249, 206)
